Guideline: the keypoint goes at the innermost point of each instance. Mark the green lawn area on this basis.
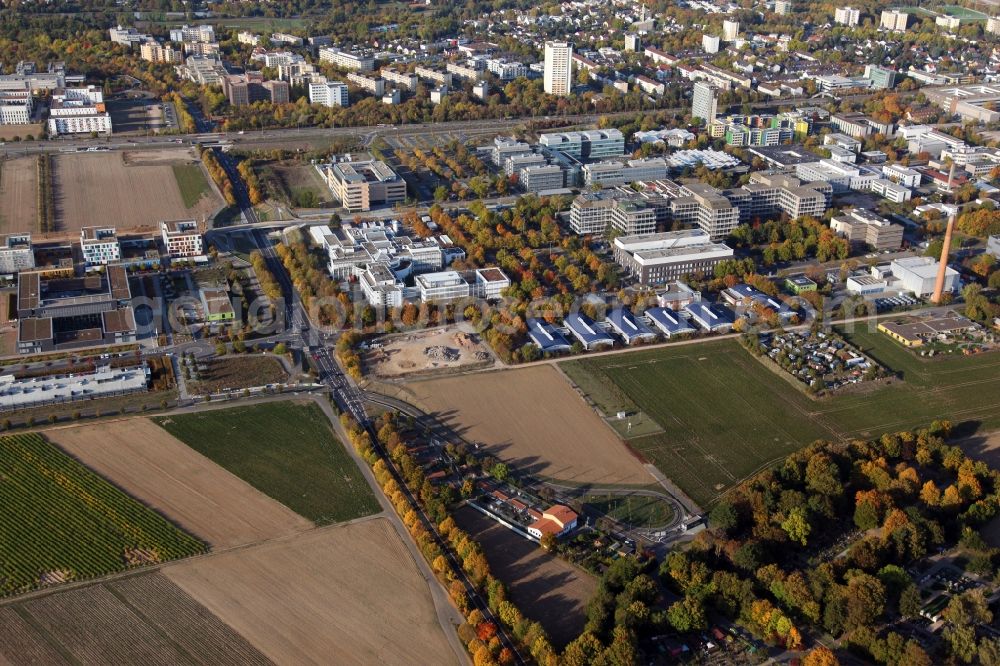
(634, 510)
(61, 521)
(192, 182)
(287, 451)
(725, 415)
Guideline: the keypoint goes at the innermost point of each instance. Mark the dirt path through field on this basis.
(202, 497)
(345, 594)
(534, 419)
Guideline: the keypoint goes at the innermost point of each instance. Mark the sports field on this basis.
(287, 451)
(60, 521)
(724, 415)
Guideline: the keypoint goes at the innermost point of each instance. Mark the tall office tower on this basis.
(704, 102)
(558, 68)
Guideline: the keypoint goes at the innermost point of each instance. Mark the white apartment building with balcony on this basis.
(100, 246)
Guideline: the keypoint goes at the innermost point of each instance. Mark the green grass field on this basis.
(725, 415)
(963, 13)
(61, 521)
(287, 451)
(192, 182)
(633, 510)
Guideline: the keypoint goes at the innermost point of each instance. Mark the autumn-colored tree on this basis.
(930, 494)
(820, 656)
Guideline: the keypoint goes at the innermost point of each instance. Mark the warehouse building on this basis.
(584, 329)
(547, 337)
(712, 317)
(631, 329)
(669, 321)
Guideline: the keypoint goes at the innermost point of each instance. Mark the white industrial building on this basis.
(37, 391)
(919, 275)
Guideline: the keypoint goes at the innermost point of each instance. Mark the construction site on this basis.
(438, 350)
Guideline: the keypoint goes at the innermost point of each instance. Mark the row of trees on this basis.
(218, 175)
(478, 633)
(268, 284)
(255, 189)
(46, 195)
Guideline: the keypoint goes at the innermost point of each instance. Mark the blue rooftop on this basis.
(711, 315)
(586, 331)
(669, 321)
(546, 336)
(630, 328)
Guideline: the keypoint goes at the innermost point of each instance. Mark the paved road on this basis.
(344, 392)
(367, 132)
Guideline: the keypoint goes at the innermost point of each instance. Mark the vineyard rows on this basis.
(59, 520)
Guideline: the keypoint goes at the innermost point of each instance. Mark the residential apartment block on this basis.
(358, 61)
(181, 238)
(78, 111)
(100, 246)
(329, 93)
(16, 253)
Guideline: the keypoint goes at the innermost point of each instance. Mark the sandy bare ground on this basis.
(534, 419)
(95, 187)
(439, 349)
(203, 498)
(346, 594)
(18, 194)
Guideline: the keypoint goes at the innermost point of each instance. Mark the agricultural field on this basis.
(142, 619)
(95, 186)
(237, 372)
(724, 415)
(61, 521)
(151, 465)
(285, 450)
(347, 594)
(545, 588)
(19, 195)
(533, 419)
